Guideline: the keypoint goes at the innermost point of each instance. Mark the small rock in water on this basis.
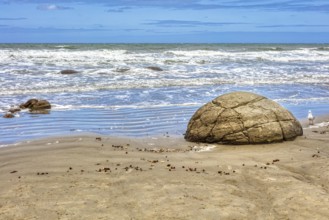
(8, 115)
(155, 68)
(35, 104)
(40, 105)
(122, 69)
(67, 72)
(13, 110)
(28, 104)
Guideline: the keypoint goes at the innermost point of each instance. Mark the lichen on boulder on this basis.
(242, 118)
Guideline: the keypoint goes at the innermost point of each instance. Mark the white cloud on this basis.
(52, 7)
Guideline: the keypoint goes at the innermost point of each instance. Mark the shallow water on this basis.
(114, 93)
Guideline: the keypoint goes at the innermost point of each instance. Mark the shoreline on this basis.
(127, 94)
(103, 177)
(320, 121)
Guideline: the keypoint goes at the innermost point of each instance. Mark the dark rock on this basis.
(13, 110)
(122, 69)
(8, 115)
(41, 104)
(67, 72)
(155, 68)
(28, 104)
(242, 118)
(35, 104)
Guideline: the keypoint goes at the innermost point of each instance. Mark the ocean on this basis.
(114, 93)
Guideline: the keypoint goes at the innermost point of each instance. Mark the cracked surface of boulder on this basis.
(242, 118)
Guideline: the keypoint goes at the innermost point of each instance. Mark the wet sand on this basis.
(100, 177)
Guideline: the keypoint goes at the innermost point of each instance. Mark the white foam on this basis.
(226, 67)
(35, 72)
(303, 100)
(320, 125)
(9, 145)
(140, 105)
(203, 148)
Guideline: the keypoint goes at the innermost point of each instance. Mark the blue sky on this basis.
(164, 21)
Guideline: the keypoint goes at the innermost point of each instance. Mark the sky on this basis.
(164, 21)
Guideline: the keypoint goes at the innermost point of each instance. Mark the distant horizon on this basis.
(226, 38)
(164, 43)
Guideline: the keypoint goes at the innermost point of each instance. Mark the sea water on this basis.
(114, 93)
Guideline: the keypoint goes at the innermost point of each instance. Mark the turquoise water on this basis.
(115, 94)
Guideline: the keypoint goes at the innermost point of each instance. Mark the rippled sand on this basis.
(91, 177)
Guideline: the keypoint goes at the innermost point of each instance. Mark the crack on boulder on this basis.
(214, 125)
(249, 102)
(244, 130)
(218, 104)
(277, 119)
(239, 105)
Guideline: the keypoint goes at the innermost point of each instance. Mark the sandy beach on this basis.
(102, 177)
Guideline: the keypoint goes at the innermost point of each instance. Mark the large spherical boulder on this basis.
(242, 118)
